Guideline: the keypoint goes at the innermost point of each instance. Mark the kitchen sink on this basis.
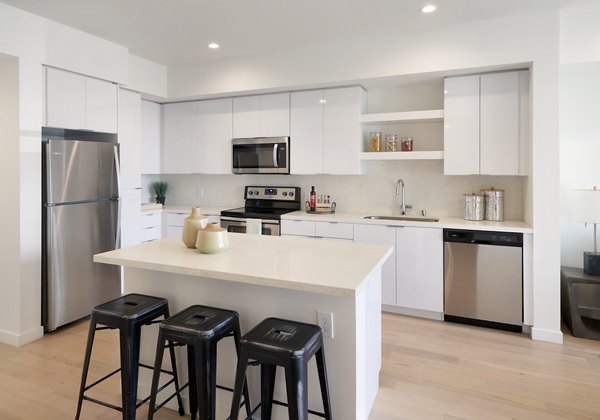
(403, 218)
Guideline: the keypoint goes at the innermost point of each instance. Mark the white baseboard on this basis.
(18, 340)
(550, 336)
(438, 316)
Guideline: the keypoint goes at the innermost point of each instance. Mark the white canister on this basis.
(494, 204)
(474, 207)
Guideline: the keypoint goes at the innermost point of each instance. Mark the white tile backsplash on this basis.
(375, 192)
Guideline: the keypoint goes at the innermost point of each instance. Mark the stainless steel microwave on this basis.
(261, 155)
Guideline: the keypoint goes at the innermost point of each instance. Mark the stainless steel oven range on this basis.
(264, 203)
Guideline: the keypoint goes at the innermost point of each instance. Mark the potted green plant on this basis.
(160, 190)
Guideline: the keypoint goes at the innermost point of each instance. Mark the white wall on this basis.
(147, 77)
(35, 41)
(579, 129)
(9, 222)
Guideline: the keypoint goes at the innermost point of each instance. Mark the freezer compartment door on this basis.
(80, 171)
(483, 282)
(73, 283)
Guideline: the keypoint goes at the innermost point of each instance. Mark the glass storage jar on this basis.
(390, 142)
(375, 141)
(406, 144)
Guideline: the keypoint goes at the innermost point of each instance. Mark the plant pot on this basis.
(160, 200)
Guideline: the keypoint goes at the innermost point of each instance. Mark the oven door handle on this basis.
(275, 155)
(243, 220)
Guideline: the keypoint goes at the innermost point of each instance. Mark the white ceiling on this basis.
(176, 32)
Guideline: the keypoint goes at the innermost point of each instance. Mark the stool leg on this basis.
(236, 340)
(297, 392)
(205, 371)
(130, 359)
(322, 370)
(267, 384)
(160, 348)
(240, 384)
(86, 364)
(175, 377)
(193, 390)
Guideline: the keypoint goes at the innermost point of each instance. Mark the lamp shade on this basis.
(584, 206)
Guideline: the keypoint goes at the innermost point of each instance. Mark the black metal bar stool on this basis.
(279, 342)
(200, 328)
(127, 314)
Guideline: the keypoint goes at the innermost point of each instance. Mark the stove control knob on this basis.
(250, 193)
(255, 192)
(284, 194)
(291, 193)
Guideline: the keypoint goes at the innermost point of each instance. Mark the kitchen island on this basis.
(263, 276)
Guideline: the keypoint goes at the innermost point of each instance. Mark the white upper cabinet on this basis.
(130, 125)
(275, 115)
(78, 102)
(486, 124)
(342, 131)
(101, 105)
(214, 136)
(197, 137)
(246, 116)
(261, 116)
(499, 119)
(179, 140)
(151, 128)
(326, 135)
(306, 140)
(461, 125)
(65, 99)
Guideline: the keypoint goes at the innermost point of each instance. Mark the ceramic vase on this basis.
(191, 225)
(212, 239)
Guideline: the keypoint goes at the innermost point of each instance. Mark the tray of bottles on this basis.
(321, 208)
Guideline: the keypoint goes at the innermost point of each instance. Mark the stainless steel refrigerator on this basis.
(80, 218)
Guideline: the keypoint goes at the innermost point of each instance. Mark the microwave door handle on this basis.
(275, 158)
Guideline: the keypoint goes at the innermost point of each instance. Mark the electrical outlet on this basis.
(325, 321)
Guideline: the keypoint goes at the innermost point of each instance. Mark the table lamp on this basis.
(584, 206)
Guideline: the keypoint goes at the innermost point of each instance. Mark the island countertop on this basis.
(318, 266)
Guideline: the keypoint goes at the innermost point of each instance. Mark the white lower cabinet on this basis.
(413, 277)
(151, 225)
(298, 228)
(318, 230)
(420, 269)
(383, 235)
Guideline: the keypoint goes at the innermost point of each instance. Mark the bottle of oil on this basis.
(313, 199)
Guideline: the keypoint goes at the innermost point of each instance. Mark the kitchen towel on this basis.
(254, 226)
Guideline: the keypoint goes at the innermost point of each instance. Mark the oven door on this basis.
(262, 155)
(238, 225)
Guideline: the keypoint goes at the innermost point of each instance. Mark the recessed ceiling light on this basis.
(430, 8)
(213, 45)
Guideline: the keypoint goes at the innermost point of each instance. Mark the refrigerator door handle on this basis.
(117, 168)
(118, 232)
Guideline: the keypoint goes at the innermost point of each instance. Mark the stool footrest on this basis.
(105, 404)
(102, 379)
(161, 405)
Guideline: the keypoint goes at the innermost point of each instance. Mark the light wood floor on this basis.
(431, 370)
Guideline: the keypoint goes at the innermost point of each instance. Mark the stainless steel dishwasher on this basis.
(483, 278)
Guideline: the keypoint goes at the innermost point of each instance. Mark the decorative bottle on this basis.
(313, 199)
(191, 225)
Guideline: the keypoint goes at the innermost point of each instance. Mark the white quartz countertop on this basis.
(341, 217)
(324, 267)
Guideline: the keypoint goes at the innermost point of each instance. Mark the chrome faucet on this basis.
(403, 205)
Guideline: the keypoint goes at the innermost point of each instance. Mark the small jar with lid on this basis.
(375, 141)
(391, 142)
(406, 144)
